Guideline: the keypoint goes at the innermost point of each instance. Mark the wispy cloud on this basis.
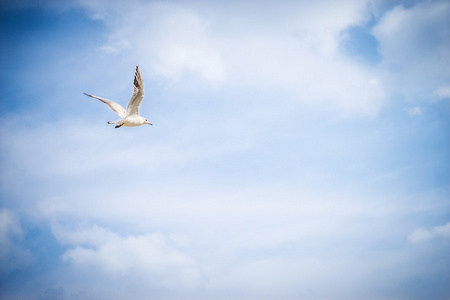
(443, 92)
(13, 255)
(422, 234)
(414, 111)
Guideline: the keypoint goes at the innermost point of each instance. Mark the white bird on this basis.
(130, 117)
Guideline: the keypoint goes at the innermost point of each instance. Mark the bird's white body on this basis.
(131, 121)
(129, 117)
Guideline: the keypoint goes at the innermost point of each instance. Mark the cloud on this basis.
(148, 256)
(414, 111)
(73, 146)
(170, 37)
(183, 45)
(12, 254)
(422, 234)
(198, 43)
(84, 236)
(416, 34)
(443, 92)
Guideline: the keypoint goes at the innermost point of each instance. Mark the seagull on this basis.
(129, 117)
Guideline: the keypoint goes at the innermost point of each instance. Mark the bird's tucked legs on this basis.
(116, 122)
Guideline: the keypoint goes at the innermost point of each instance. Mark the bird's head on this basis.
(147, 122)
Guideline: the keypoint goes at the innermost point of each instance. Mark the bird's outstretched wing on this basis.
(117, 108)
(138, 94)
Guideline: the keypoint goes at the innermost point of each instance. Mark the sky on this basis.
(299, 150)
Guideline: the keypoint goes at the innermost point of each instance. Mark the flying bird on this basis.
(129, 117)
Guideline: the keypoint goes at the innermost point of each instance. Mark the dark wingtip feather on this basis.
(137, 77)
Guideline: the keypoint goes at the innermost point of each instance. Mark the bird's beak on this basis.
(149, 123)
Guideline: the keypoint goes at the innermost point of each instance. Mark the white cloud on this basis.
(237, 218)
(12, 254)
(89, 236)
(414, 111)
(170, 37)
(298, 55)
(422, 234)
(443, 92)
(415, 47)
(324, 81)
(148, 256)
(183, 45)
(73, 146)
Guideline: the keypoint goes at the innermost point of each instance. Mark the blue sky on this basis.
(300, 150)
